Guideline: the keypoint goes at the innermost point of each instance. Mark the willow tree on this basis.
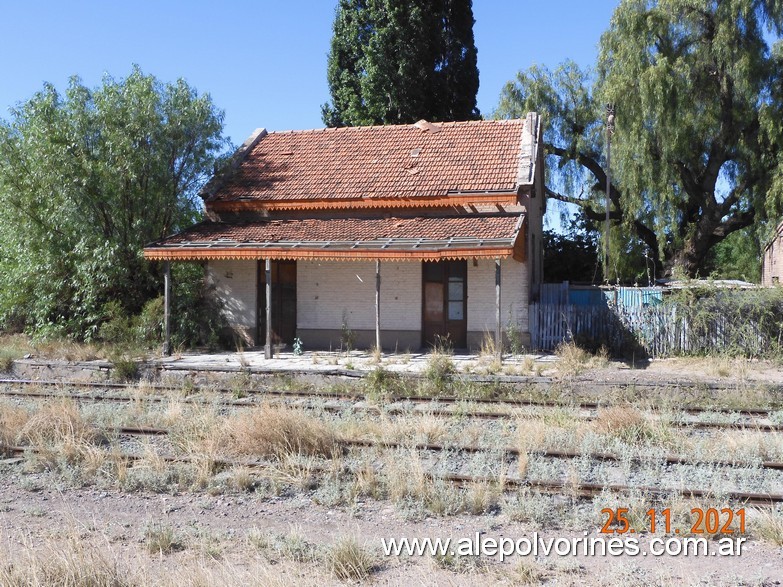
(696, 155)
(398, 61)
(86, 179)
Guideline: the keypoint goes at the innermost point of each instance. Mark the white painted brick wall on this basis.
(481, 295)
(327, 290)
(235, 287)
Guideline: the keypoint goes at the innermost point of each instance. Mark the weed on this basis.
(12, 422)
(381, 384)
(347, 336)
(631, 426)
(161, 540)
(7, 358)
(298, 347)
(293, 546)
(348, 561)
(272, 431)
(461, 564)
(527, 573)
(439, 371)
(58, 430)
(241, 383)
(514, 335)
(74, 564)
(572, 360)
(482, 497)
(12, 347)
(490, 354)
(125, 369)
(768, 525)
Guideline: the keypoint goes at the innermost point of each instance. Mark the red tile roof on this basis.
(343, 237)
(350, 229)
(379, 162)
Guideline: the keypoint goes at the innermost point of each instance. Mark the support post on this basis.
(268, 345)
(609, 132)
(167, 309)
(378, 306)
(498, 330)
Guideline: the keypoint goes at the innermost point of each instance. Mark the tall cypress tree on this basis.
(398, 61)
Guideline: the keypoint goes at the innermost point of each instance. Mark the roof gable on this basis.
(381, 163)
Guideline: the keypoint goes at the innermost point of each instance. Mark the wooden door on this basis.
(283, 302)
(444, 303)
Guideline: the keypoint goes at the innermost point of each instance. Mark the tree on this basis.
(398, 61)
(696, 155)
(88, 178)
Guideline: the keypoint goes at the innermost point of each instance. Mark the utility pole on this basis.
(609, 133)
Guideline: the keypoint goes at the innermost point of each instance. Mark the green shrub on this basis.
(730, 321)
(380, 383)
(439, 371)
(125, 369)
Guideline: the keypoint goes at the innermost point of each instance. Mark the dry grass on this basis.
(573, 360)
(71, 351)
(12, 422)
(767, 525)
(12, 347)
(74, 564)
(58, 430)
(416, 428)
(490, 355)
(78, 562)
(631, 426)
(367, 482)
(276, 431)
(348, 561)
(527, 573)
(723, 367)
(161, 540)
(482, 497)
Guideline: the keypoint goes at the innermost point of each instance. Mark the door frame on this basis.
(448, 326)
(277, 303)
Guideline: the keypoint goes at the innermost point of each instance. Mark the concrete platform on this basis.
(327, 362)
(318, 364)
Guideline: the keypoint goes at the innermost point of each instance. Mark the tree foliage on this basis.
(696, 155)
(398, 61)
(86, 179)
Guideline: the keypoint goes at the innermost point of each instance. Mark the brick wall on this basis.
(235, 287)
(481, 295)
(772, 261)
(327, 291)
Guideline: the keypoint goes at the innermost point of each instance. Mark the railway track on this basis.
(566, 489)
(435, 406)
(490, 401)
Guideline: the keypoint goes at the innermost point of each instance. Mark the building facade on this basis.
(409, 235)
(772, 259)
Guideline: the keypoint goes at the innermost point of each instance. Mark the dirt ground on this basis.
(215, 534)
(225, 539)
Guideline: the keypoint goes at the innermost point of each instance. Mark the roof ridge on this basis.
(359, 128)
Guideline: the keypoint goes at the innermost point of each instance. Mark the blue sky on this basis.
(263, 62)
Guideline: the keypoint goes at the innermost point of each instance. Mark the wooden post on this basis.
(268, 346)
(167, 309)
(378, 306)
(498, 330)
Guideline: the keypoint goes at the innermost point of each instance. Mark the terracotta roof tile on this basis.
(347, 229)
(378, 162)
